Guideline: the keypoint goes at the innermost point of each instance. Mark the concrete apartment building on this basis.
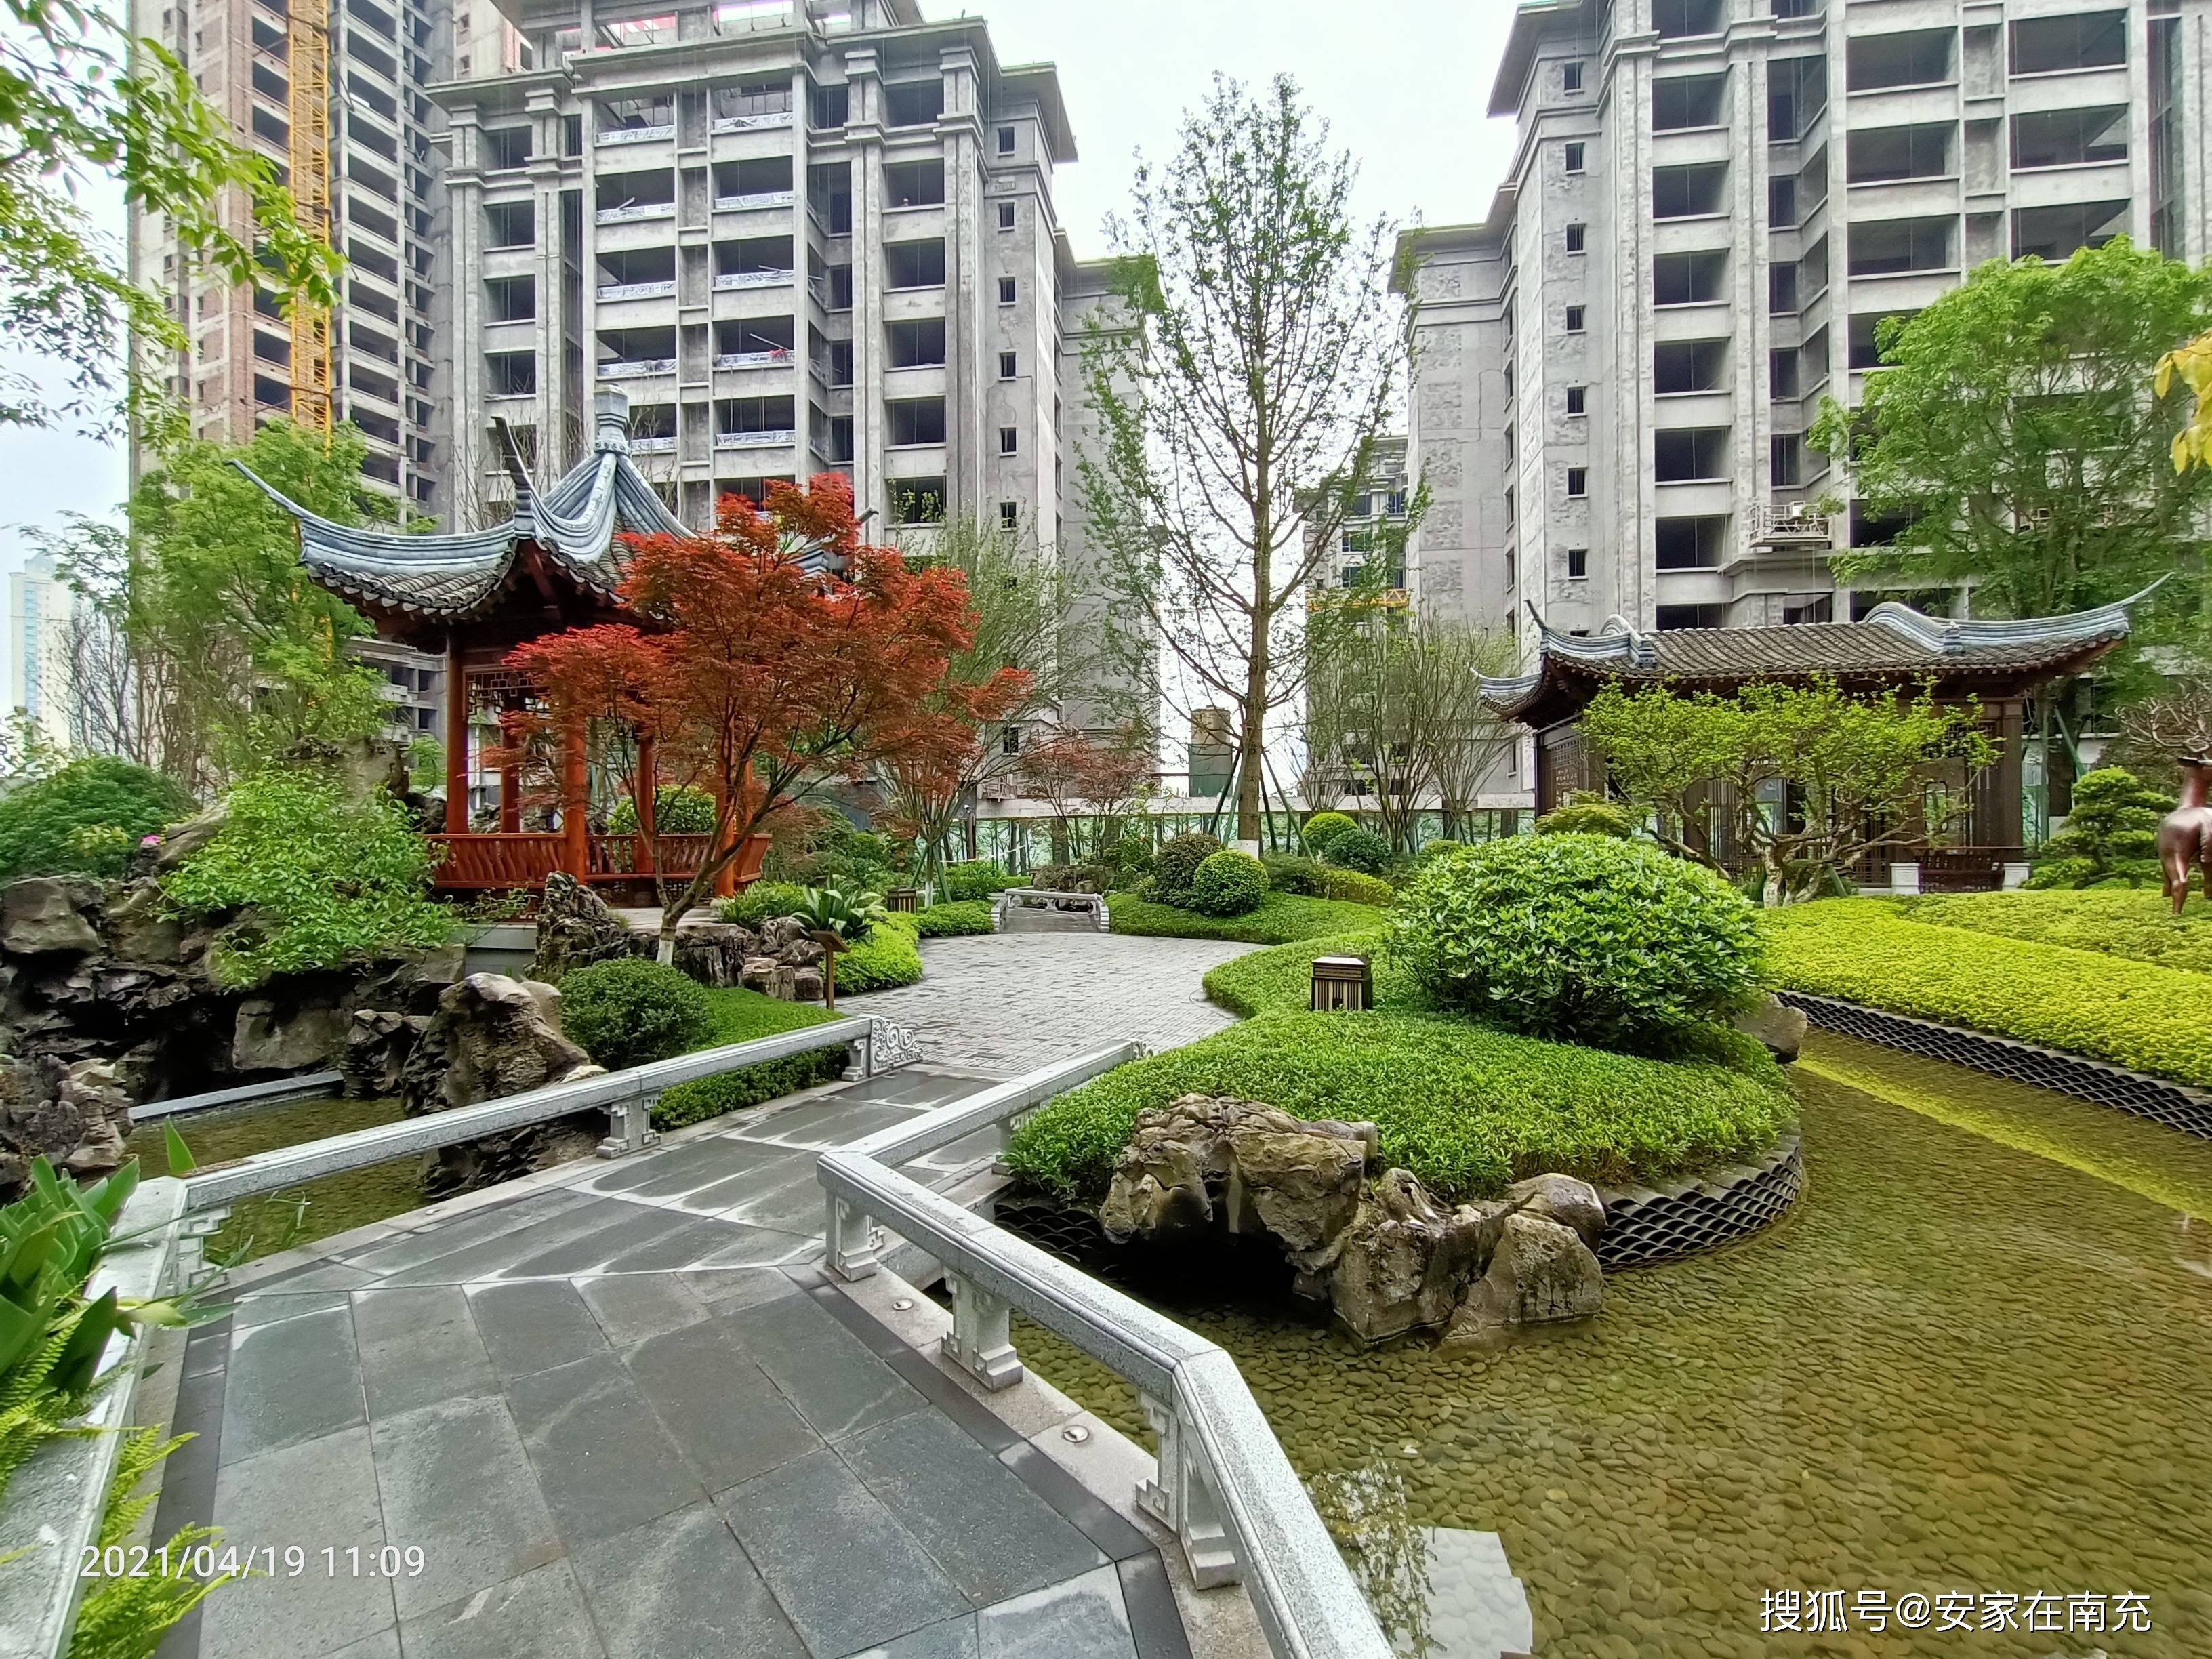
(1711, 205)
(802, 238)
(384, 204)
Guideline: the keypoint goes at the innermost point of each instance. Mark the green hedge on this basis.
(888, 957)
(2134, 1014)
(630, 1012)
(734, 1015)
(1356, 886)
(953, 918)
(1468, 1108)
(1279, 919)
(2113, 920)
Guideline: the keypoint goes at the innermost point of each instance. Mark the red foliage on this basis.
(756, 675)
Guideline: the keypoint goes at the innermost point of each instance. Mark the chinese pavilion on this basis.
(473, 596)
(1997, 665)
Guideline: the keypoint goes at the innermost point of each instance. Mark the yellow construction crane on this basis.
(307, 43)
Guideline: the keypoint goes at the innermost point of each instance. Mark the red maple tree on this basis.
(755, 670)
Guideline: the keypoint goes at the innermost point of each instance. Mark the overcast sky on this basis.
(1402, 82)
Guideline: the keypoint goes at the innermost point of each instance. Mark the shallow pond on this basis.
(276, 1222)
(1973, 1363)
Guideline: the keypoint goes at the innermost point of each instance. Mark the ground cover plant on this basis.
(2117, 920)
(49, 826)
(1466, 1107)
(1278, 919)
(889, 956)
(736, 1015)
(2132, 1014)
(953, 918)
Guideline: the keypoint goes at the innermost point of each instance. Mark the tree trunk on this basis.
(1252, 739)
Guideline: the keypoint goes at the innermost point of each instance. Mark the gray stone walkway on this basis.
(620, 1413)
(1005, 1003)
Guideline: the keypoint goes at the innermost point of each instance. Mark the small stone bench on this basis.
(1045, 898)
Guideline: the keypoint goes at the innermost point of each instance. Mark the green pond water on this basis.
(277, 1221)
(1976, 1360)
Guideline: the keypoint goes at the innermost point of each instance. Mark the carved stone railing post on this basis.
(630, 1126)
(191, 1268)
(1181, 1499)
(852, 1239)
(981, 1342)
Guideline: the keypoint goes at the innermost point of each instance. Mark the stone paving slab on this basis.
(616, 1421)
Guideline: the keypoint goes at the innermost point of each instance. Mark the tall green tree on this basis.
(2016, 428)
(1239, 396)
(81, 99)
(237, 653)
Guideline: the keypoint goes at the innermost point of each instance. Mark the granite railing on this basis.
(1050, 899)
(1220, 1483)
(626, 1097)
(56, 1500)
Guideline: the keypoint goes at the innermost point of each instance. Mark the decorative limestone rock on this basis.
(140, 931)
(1562, 1199)
(782, 930)
(77, 1115)
(576, 927)
(1405, 1261)
(1781, 1029)
(1540, 1271)
(1260, 1171)
(50, 915)
(91, 1089)
(376, 1051)
(715, 952)
(270, 1036)
(491, 1036)
(806, 984)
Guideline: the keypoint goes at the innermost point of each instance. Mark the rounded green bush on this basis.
(631, 1012)
(1354, 887)
(1324, 827)
(1177, 864)
(38, 819)
(1288, 873)
(1358, 849)
(1228, 883)
(1579, 937)
(678, 809)
(1587, 817)
(1438, 849)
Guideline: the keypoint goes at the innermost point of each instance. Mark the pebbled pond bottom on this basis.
(334, 1203)
(1975, 1362)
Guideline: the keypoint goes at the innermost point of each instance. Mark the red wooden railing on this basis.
(524, 860)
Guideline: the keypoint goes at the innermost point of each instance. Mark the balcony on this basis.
(749, 202)
(633, 368)
(1788, 526)
(770, 439)
(636, 212)
(780, 357)
(660, 291)
(666, 445)
(636, 134)
(727, 280)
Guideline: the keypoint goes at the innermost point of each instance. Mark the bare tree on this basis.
(1239, 423)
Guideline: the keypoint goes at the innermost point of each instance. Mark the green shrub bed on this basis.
(953, 918)
(2136, 1014)
(629, 1012)
(888, 957)
(2113, 920)
(734, 1015)
(1278, 919)
(1467, 1108)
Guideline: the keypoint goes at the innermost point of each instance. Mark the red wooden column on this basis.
(575, 803)
(645, 802)
(457, 741)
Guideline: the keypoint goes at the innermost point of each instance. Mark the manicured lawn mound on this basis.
(1280, 981)
(1279, 919)
(2117, 920)
(2136, 1014)
(735, 1015)
(888, 957)
(1468, 1108)
(953, 918)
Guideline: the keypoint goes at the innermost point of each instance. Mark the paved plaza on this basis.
(1005, 1003)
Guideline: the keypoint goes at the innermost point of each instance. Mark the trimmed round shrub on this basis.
(1355, 886)
(678, 809)
(1358, 849)
(762, 901)
(39, 820)
(1582, 938)
(1288, 873)
(1228, 883)
(1177, 864)
(1588, 815)
(979, 879)
(631, 1012)
(1324, 827)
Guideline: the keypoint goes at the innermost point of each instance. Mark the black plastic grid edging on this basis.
(2163, 1101)
(1644, 1227)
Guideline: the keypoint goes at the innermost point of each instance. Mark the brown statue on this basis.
(2184, 837)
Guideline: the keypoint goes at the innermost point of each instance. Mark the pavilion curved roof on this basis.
(573, 522)
(1894, 644)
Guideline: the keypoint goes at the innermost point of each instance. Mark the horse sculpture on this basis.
(2184, 837)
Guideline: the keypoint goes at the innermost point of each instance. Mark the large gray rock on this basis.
(1404, 1262)
(576, 927)
(76, 1116)
(1782, 1029)
(50, 915)
(1540, 1271)
(377, 1049)
(272, 1036)
(1258, 1170)
(1562, 1199)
